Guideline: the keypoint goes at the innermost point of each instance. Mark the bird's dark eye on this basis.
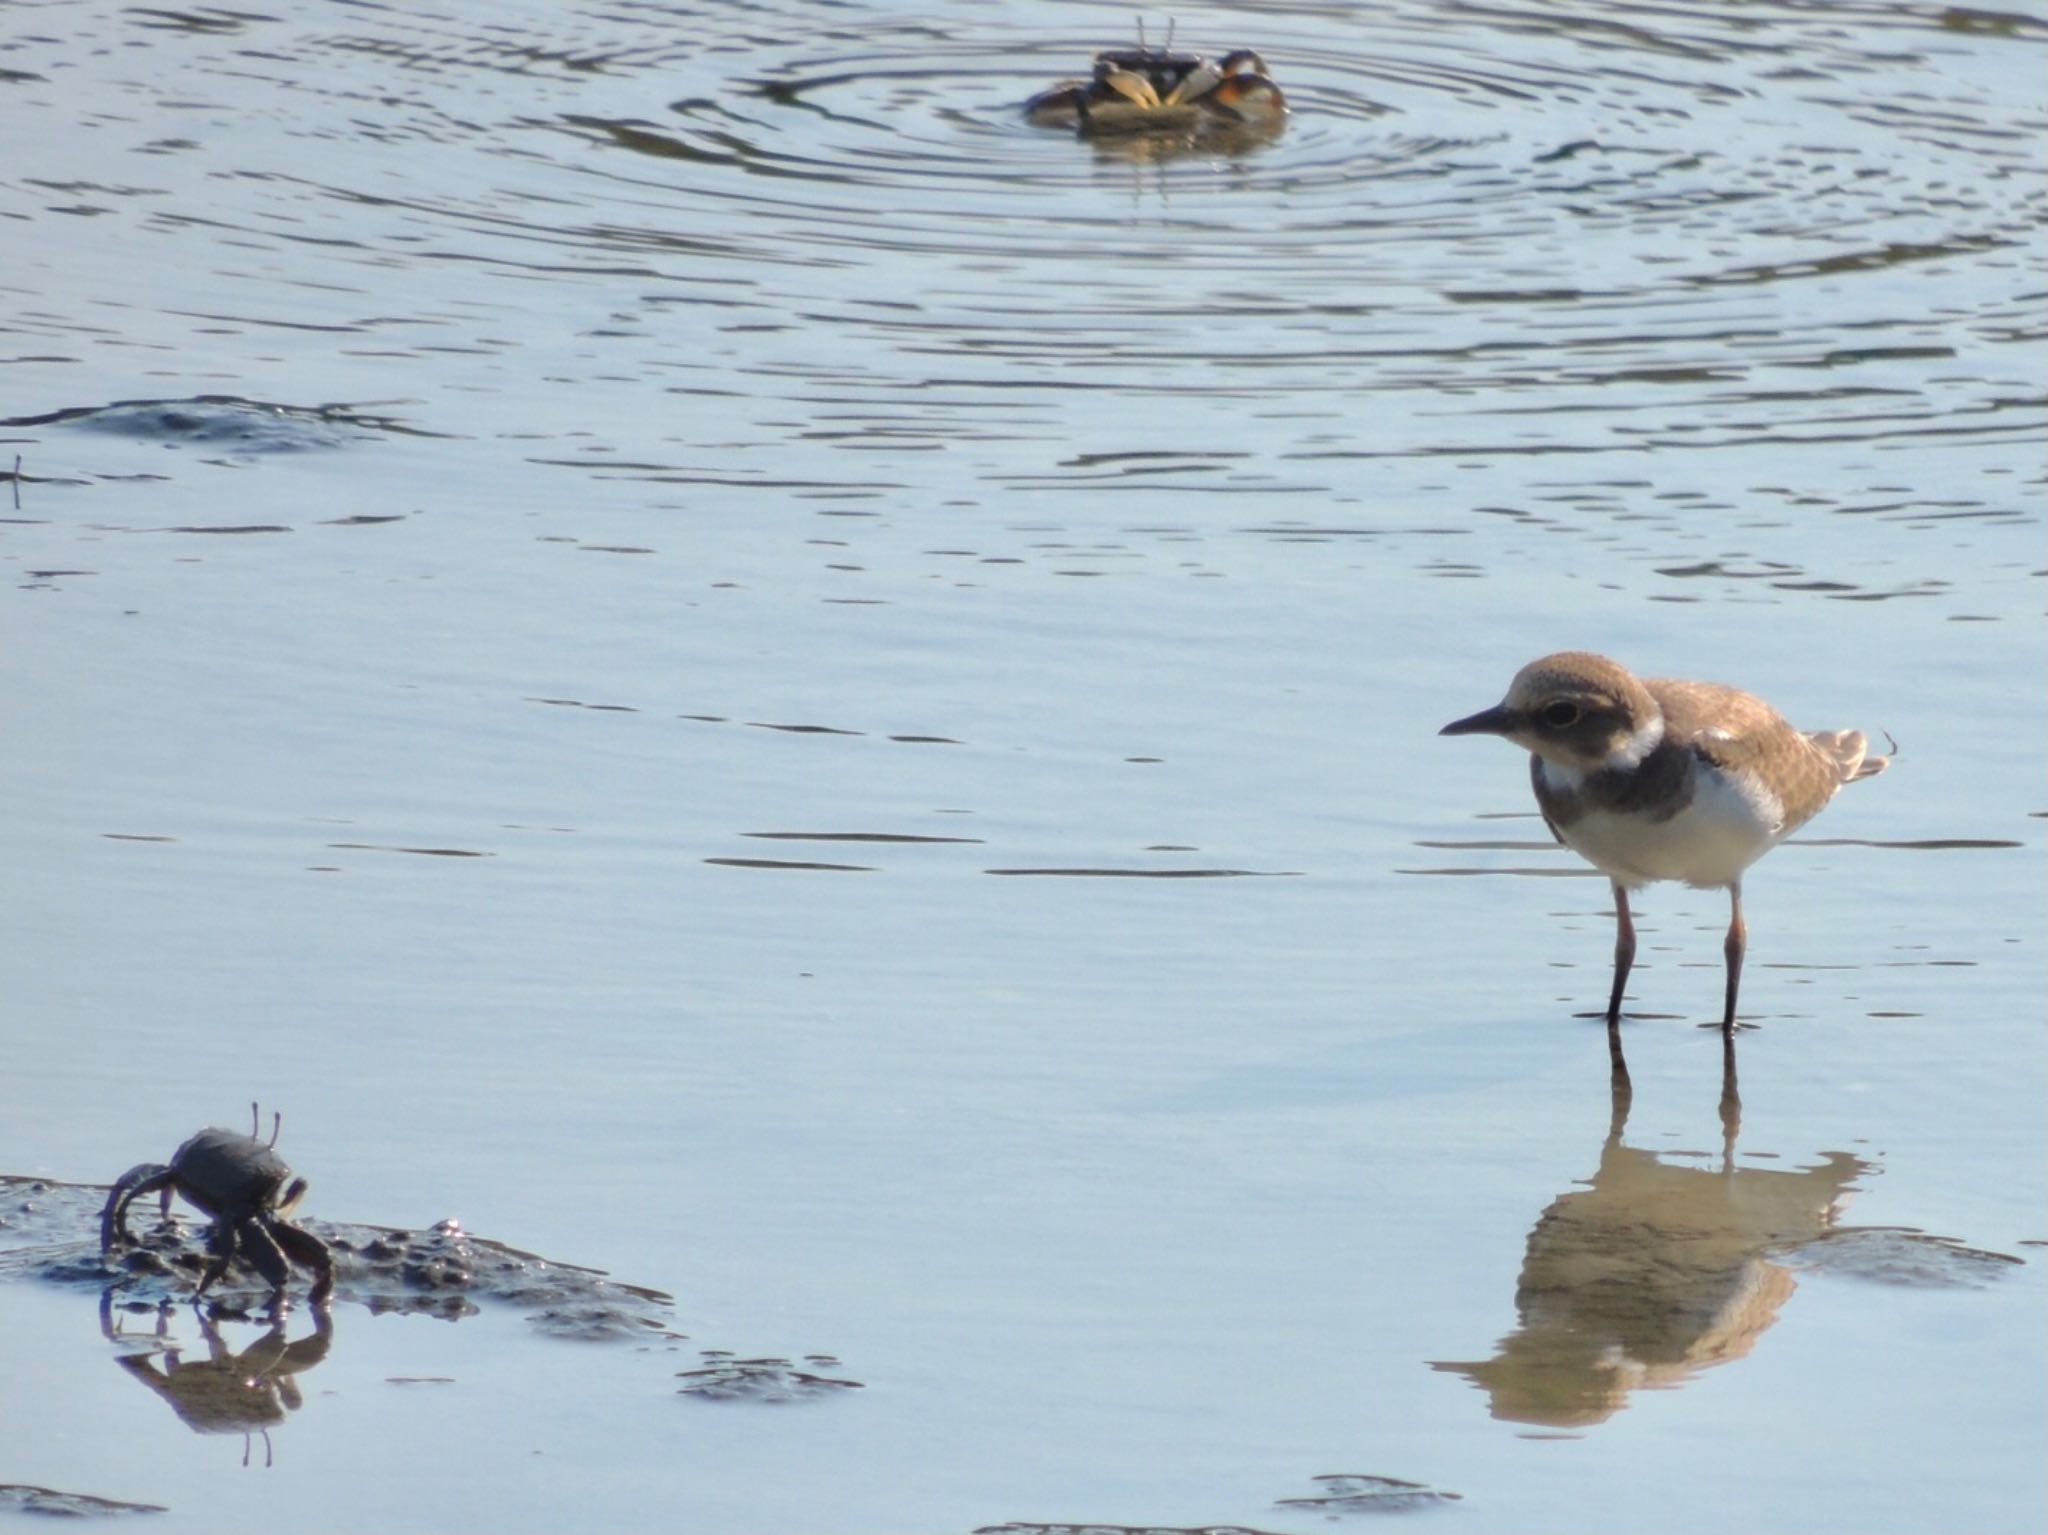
(1561, 714)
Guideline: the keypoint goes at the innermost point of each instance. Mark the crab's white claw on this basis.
(1194, 85)
(1133, 87)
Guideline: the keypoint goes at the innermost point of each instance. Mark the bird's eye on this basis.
(1561, 714)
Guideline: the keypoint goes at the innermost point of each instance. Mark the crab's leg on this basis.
(309, 1252)
(220, 1241)
(260, 1247)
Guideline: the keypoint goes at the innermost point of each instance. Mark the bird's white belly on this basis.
(1729, 824)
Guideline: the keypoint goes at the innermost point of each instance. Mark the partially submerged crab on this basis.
(1136, 90)
(248, 1189)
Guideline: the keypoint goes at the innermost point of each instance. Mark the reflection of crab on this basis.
(226, 1392)
(248, 1189)
(1143, 89)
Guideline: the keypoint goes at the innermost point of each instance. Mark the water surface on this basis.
(690, 643)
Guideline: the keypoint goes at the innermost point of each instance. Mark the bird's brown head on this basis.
(1575, 709)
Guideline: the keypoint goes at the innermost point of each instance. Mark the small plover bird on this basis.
(1656, 778)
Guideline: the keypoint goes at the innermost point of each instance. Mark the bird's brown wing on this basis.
(1728, 727)
(1740, 733)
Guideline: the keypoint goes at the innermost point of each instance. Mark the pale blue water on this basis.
(1110, 513)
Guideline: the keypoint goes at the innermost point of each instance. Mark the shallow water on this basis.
(559, 549)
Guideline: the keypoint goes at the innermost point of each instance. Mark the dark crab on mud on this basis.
(1145, 89)
(249, 1191)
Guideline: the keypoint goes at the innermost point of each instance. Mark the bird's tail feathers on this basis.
(1850, 751)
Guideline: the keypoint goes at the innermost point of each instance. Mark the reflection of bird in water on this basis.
(1652, 1272)
(227, 1392)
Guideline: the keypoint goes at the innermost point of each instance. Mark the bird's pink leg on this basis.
(1624, 952)
(1736, 942)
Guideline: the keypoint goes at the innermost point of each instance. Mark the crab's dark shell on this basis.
(236, 1176)
(1165, 70)
(248, 1190)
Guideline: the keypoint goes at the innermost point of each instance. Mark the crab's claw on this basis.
(142, 1178)
(1194, 85)
(1131, 85)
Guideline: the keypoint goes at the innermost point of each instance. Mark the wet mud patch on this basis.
(1338, 1496)
(1346, 1493)
(221, 421)
(20, 1498)
(49, 1231)
(1900, 1255)
(772, 1381)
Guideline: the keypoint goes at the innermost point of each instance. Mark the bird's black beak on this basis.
(1500, 720)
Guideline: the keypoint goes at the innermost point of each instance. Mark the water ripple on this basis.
(1489, 233)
